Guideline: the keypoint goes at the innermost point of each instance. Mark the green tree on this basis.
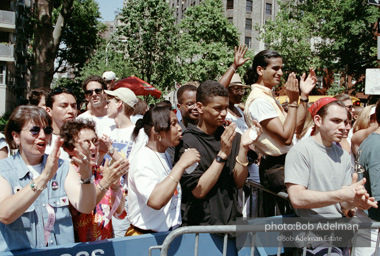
(149, 41)
(333, 34)
(206, 43)
(72, 22)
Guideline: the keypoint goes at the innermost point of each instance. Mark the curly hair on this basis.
(70, 131)
(210, 89)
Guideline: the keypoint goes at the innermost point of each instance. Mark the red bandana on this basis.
(319, 104)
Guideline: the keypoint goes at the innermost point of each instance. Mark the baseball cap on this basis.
(109, 75)
(125, 95)
(236, 81)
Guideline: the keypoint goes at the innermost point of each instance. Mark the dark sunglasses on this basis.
(35, 130)
(97, 91)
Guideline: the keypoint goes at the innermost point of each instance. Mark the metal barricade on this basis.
(227, 229)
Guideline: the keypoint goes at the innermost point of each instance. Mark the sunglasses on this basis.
(97, 91)
(35, 130)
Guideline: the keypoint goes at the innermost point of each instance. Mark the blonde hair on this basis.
(363, 120)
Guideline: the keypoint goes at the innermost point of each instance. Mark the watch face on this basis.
(220, 160)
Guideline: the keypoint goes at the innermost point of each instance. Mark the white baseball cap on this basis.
(125, 95)
(109, 75)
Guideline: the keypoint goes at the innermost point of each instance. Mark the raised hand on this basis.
(226, 140)
(246, 139)
(308, 83)
(52, 160)
(360, 196)
(112, 173)
(190, 156)
(81, 159)
(292, 88)
(239, 59)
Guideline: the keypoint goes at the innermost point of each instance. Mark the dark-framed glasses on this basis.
(35, 130)
(91, 92)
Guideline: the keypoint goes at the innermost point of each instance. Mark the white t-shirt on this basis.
(36, 170)
(104, 124)
(260, 110)
(147, 170)
(64, 155)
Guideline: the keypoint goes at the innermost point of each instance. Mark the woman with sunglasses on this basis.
(154, 192)
(35, 189)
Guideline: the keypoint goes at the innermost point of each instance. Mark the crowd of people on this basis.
(122, 168)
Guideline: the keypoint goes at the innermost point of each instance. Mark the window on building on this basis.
(249, 6)
(268, 9)
(230, 20)
(230, 4)
(248, 41)
(248, 24)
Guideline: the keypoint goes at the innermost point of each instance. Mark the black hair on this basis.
(98, 79)
(35, 96)
(157, 117)
(261, 59)
(20, 117)
(183, 89)
(59, 90)
(70, 130)
(210, 89)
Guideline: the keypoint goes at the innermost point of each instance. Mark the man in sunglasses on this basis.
(61, 105)
(93, 88)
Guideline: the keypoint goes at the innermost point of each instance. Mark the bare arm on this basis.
(3, 153)
(239, 60)
(163, 191)
(359, 136)
(351, 196)
(306, 86)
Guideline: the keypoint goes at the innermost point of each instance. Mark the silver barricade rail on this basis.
(226, 229)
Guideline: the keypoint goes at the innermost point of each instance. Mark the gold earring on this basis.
(159, 137)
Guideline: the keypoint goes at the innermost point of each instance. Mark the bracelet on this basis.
(233, 69)
(294, 105)
(34, 187)
(242, 164)
(101, 188)
(302, 100)
(176, 181)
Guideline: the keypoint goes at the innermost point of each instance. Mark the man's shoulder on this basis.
(371, 141)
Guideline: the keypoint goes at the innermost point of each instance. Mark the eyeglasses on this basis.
(91, 92)
(35, 130)
(350, 107)
(237, 89)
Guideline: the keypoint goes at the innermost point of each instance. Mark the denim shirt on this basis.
(28, 230)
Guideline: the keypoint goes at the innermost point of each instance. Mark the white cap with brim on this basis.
(109, 75)
(125, 95)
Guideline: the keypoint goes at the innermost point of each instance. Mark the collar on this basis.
(266, 90)
(21, 166)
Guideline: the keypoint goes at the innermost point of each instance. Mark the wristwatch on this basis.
(220, 160)
(88, 180)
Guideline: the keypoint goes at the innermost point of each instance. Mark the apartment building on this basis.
(13, 47)
(244, 14)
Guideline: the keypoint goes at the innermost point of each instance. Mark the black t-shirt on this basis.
(220, 206)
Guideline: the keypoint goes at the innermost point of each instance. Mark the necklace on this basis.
(159, 158)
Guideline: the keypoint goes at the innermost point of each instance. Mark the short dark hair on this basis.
(322, 112)
(98, 79)
(35, 95)
(21, 116)
(70, 130)
(157, 117)
(56, 91)
(261, 59)
(183, 89)
(377, 111)
(210, 89)
(140, 107)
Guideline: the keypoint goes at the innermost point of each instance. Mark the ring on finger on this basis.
(84, 158)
